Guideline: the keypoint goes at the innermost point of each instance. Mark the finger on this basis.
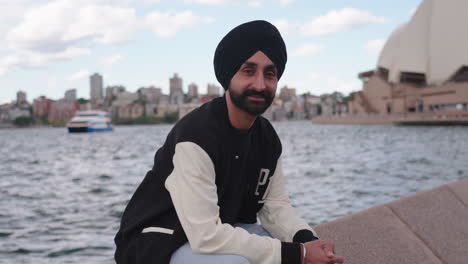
(328, 252)
(338, 259)
(329, 245)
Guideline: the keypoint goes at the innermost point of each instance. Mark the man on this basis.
(220, 169)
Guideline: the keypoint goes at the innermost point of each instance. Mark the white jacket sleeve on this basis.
(193, 191)
(277, 215)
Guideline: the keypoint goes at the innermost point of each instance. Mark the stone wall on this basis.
(430, 227)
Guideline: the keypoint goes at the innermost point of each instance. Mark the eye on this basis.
(270, 74)
(248, 71)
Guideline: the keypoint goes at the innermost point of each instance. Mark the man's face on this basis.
(253, 87)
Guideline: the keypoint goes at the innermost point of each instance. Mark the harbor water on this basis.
(62, 195)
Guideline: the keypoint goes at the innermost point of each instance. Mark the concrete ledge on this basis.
(460, 189)
(428, 227)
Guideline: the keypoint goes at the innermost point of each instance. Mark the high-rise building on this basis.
(176, 95)
(96, 85)
(20, 97)
(192, 90)
(70, 95)
(213, 90)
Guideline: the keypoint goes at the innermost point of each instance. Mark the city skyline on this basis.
(328, 43)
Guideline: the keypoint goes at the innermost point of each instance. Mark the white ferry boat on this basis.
(89, 121)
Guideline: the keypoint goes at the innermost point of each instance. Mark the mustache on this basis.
(263, 94)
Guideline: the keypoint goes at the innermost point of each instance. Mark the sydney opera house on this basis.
(422, 71)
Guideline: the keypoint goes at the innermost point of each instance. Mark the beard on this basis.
(251, 107)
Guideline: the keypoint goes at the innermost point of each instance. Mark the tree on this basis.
(23, 121)
(171, 117)
(83, 101)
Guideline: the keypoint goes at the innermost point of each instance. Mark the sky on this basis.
(50, 46)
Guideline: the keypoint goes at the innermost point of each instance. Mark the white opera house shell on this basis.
(423, 67)
(434, 42)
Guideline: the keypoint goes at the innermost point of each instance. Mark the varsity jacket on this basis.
(206, 177)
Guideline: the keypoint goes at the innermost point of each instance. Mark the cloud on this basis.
(110, 60)
(100, 24)
(6, 101)
(211, 2)
(285, 2)
(336, 83)
(338, 21)
(163, 84)
(57, 30)
(28, 59)
(307, 49)
(79, 75)
(251, 3)
(52, 81)
(168, 24)
(7, 63)
(13, 10)
(254, 3)
(65, 29)
(151, 2)
(374, 46)
(320, 83)
(63, 23)
(285, 26)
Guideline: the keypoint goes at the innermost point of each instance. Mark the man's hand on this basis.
(321, 252)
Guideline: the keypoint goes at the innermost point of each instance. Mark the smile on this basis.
(256, 98)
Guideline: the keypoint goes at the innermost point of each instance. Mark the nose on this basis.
(259, 82)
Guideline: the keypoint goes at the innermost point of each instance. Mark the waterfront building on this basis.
(10, 111)
(125, 98)
(119, 107)
(61, 111)
(70, 95)
(16, 112)
(176, 93)
(4, 114)
(213, 90)
(41, 106)
(85, 107)
(184, 109)
(113, 91)
(130, 111)
(294, 109)
(312, 105)
(192, 90)
(96, 87)
(276, 111)
(328, 104)
(287, 94)
(164, 99)
(151, 109)
(423, 67)
(164, 109)
(150, 94)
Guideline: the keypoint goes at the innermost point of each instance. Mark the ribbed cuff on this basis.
(290, 253)
(303, 236)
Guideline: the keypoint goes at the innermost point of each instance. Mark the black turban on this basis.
(242, 43)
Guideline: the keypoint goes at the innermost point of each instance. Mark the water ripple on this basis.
(62, 195)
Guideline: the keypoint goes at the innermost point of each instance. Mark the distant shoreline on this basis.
(11, 126)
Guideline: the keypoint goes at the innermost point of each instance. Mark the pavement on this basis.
(429, 227)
